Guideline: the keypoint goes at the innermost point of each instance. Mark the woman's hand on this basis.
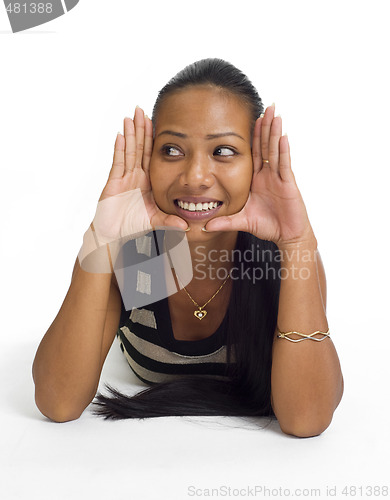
(121, 210)
(275, 210)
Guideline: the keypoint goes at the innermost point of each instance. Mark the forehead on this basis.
(199, 111)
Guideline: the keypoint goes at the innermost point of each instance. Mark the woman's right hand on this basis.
(127, 193)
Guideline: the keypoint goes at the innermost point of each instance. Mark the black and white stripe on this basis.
(145, 331)
(146, 339)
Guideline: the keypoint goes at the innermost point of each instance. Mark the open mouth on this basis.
(197, 210)
(197, 207)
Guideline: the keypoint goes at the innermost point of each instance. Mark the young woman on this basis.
(248, 335)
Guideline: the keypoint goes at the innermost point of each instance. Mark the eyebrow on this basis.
(208, 137)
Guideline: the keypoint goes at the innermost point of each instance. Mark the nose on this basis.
(197, 173)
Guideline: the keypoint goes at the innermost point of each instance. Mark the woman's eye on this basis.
(170, 151)
(223, 151)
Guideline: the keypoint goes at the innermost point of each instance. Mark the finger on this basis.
(175, 221)
(118, 164)
(285, 160)
(256, 151)
(148, 144)
(236, 222)
(130, 152)
(273, 148)
(266, 130)
(139, 122)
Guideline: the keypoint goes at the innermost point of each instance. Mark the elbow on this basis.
(61, 417)
(60, 405)
(305, 428)
(303, 422)
(307, 419)
(57, 412)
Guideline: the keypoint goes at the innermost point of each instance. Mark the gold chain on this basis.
(200, 313)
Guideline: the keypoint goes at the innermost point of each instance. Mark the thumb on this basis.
(175, 221)
(226, 223)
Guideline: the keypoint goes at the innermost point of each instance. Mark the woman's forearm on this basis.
(306, 377)
(67, 365)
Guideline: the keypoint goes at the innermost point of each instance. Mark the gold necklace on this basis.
(200, 313)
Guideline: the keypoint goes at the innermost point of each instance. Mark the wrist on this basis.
(94, 258)
(306, 241)
(121, 215)
(118, 218)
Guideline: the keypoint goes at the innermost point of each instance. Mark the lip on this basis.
(186, 214)
(196, 199)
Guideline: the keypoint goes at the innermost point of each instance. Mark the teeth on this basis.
(198, 207)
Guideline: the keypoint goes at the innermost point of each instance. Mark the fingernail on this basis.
(273, 104)
(205, 230)
(188, 228)
(262, 115)
(278, 116)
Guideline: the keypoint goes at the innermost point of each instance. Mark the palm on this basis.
(157, 217)
(274, 210)
(130, 171)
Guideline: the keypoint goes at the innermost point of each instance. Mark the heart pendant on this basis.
(200, 314)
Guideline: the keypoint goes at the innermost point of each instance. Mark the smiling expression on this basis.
(201, 154)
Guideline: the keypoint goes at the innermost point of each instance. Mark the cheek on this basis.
(159, 182)
(239, 186)
(155, 181)
(155, 173)
(153, 165)
(240, 179)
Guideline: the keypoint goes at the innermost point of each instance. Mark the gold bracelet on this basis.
(283, 335)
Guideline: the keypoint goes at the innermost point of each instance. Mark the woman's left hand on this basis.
(274, 210)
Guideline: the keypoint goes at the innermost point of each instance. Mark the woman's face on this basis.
(201, 153)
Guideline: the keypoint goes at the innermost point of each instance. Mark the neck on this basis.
(212, 257)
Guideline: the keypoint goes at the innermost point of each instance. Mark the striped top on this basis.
(145, 330)
(146, 339)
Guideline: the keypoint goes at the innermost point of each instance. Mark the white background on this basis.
(65, 88)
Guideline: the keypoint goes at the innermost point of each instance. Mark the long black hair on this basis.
(251, 319)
